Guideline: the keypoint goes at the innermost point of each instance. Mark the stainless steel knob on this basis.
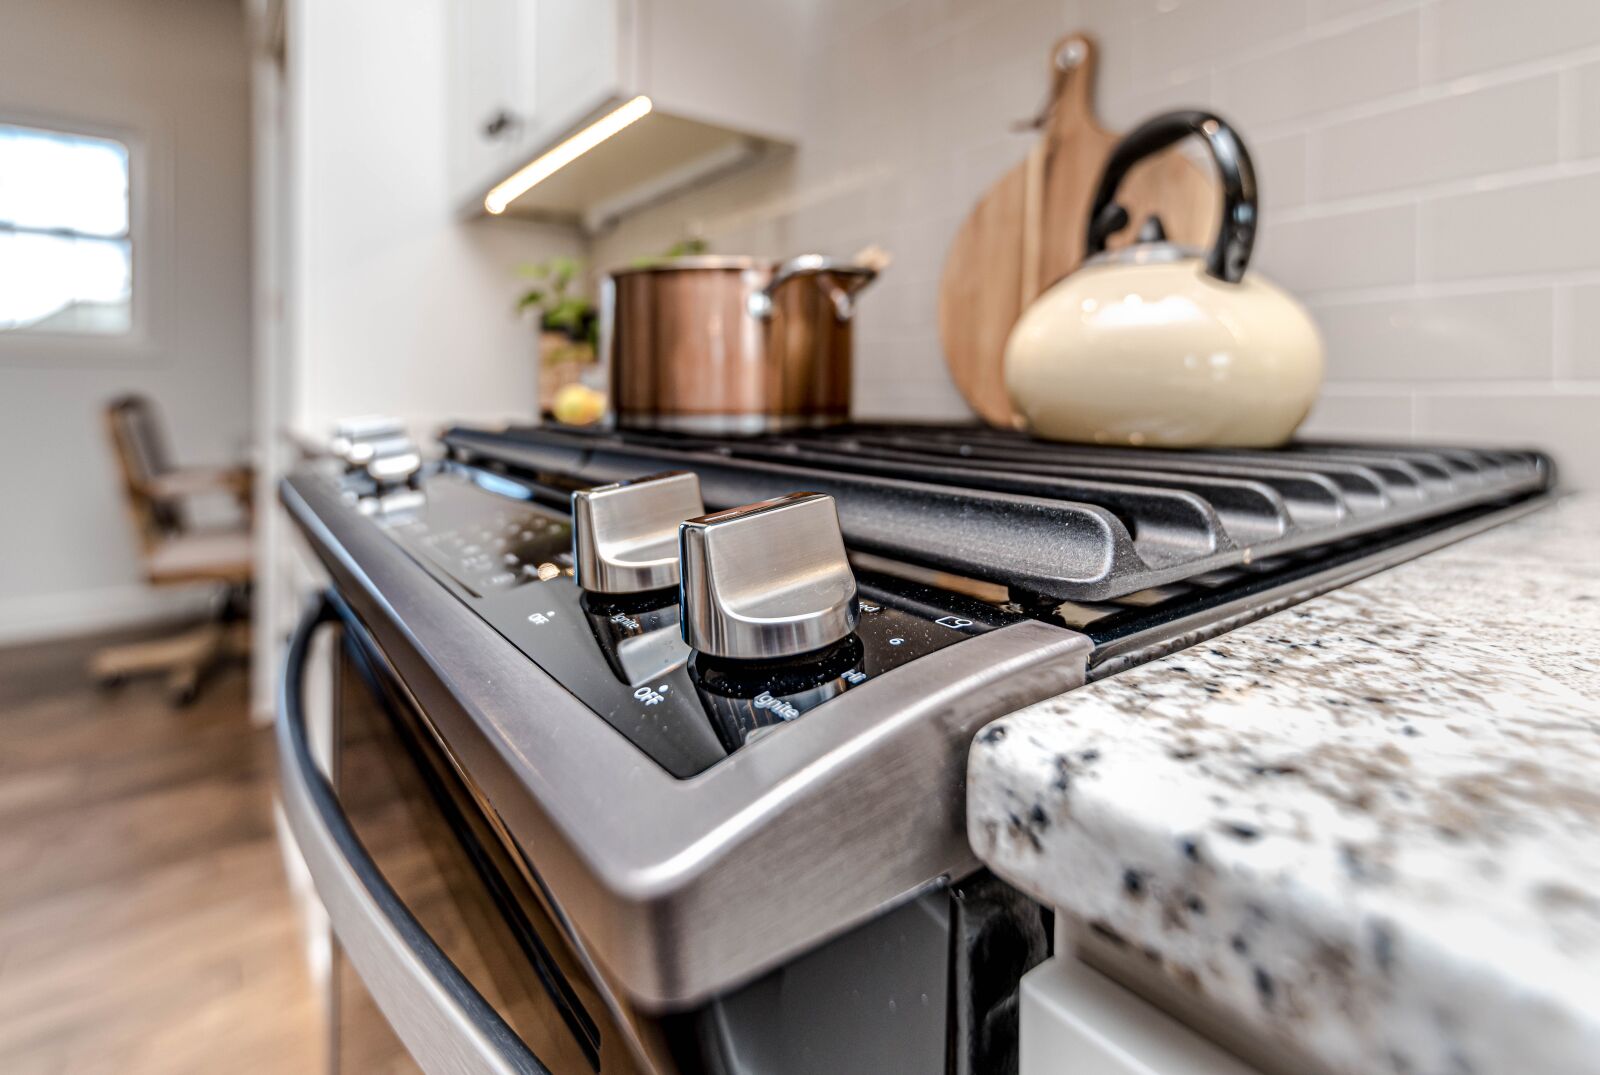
(397, 464)
(360, 453)
(766, 581)
(625, 535)
(350, 434)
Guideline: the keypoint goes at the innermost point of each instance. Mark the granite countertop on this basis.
(1365, 828)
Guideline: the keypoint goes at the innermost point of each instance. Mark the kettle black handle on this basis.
(1236, 234)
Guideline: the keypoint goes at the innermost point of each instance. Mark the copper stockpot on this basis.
(730, 344)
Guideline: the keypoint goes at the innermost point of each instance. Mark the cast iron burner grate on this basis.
(1054, 522)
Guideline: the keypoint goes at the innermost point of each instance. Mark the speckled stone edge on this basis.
(1366, 828)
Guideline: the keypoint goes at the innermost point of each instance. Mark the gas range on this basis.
(727, 741)
(1124, 543)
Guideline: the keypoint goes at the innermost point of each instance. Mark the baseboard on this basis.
(41, 617)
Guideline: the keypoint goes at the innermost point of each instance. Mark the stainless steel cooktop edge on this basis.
(686, 888)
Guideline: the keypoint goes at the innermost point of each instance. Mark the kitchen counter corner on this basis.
(1365, 829)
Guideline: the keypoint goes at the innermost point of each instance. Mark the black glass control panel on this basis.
(509, 556)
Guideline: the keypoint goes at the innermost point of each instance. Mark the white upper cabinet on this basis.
(486, 100)
(721, 78)
(573, 62)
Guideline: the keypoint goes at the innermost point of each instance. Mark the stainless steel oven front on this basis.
(446, 957)
(449, 957)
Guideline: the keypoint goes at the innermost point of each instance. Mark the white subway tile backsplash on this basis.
(886, 387)
(1580, 348)
(1325, 72)
(1430, 182)
(1121, 111)
(929, 190)
(1586, 104)
(1185, 36)
(1545, 226)
(1280, 170)
(922, 247)
(913, 305)
(1367, 248)
(972, 113)
(1365, 414)
(1559, 420)
(1504, 335)
(1479, 35)
(1493, 129)
(1017, 32)
(1334, 9)
(980, 167)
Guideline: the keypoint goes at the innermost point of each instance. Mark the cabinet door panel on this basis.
(487, 116)
(575, 65)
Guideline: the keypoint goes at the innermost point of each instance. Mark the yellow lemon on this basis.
(578, 405)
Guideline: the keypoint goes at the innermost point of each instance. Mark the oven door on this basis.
(445, 959)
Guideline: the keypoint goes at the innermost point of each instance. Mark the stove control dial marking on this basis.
(766, 581)
(625, 535)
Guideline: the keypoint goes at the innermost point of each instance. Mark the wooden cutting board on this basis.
(1027, 232)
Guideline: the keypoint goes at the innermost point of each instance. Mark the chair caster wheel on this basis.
(185, 695)
(110, 683)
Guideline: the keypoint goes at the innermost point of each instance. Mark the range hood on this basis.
(623, 156)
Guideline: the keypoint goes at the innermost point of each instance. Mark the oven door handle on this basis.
(446, 1025)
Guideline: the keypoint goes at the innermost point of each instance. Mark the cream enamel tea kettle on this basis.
(1159, 345)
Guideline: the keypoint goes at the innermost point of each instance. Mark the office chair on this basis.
(176, 553)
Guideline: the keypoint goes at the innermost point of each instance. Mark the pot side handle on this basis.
(844, 297)
(1236, 231)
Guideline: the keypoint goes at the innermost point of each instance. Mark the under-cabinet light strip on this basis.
(558, 157)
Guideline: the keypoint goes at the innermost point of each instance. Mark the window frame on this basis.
(148, 199)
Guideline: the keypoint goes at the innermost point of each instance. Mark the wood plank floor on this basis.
(145, 921)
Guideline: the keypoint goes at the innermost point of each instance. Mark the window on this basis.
(66, 252)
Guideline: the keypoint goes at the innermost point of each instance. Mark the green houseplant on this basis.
(569, 330)
(568, 325)
(561, 313)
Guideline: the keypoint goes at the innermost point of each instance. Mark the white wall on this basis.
(1430, 172)
(172, 79)
(396, 307)
(385, 303)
